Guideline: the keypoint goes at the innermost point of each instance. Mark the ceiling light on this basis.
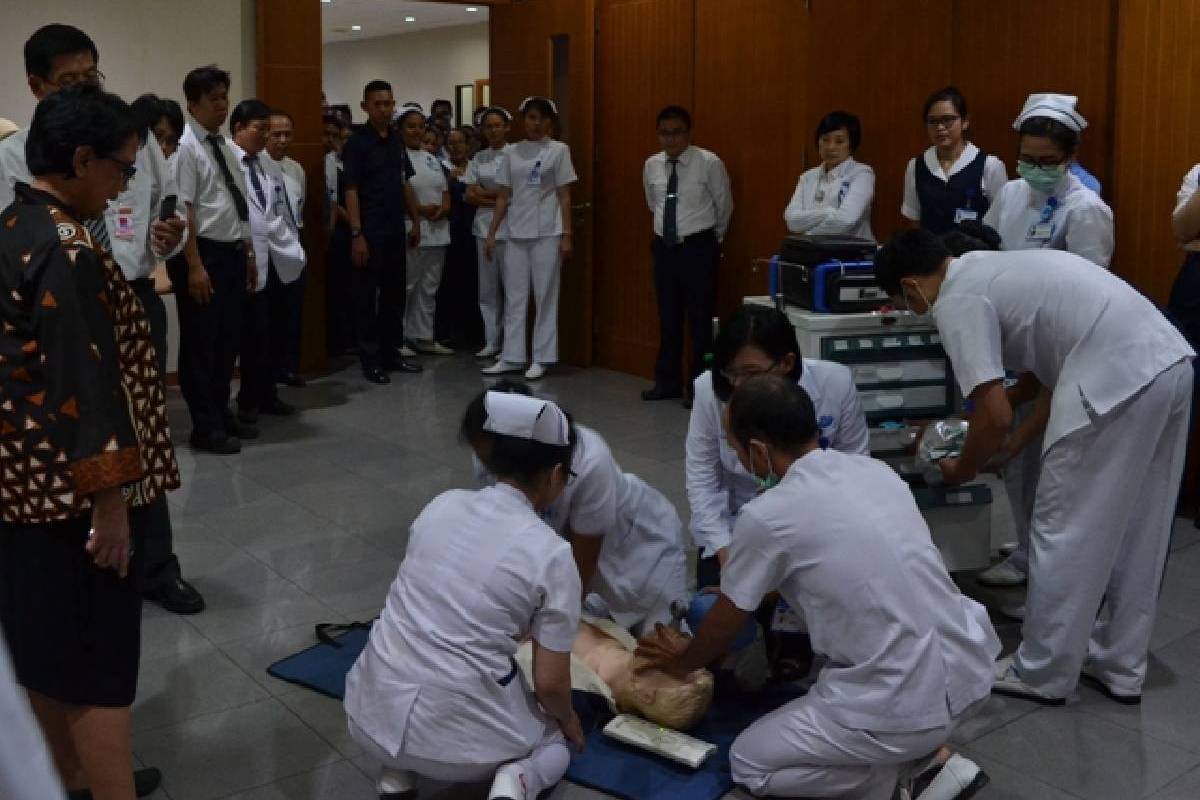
(469, 8)
(410, 19)
(356, 27)
(326, 1)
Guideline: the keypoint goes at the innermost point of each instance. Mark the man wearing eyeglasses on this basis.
(687, 190)
(58, 56)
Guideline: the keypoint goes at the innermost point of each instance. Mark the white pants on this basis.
(536, 264)
(799, 751)
(544, 766)
(491, 293)
(423, 275)
(1020, 484)
(1100, 534)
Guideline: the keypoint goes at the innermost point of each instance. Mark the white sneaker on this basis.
(535, 371)
(502, 368)
(509, 784)
(1006, 681)
(394, 784)
(1013, 611)
(407, 352)
(1003, 574)
(433, 348)
(958, 779)
(488, 352)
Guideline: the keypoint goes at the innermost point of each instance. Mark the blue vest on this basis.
(940, 200)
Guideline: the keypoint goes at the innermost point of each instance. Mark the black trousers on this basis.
(210, 335)
(685, 283)
(378, 291)
(286, 313)
(457, 318)
(257, 374)
(152, 523)
(339, 299)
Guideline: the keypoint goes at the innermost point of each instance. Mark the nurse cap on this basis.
(1058, 107)
(525, 103)
(526, 418)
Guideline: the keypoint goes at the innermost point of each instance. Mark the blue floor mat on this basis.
(605, 765)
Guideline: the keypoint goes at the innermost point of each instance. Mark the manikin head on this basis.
(662, 698)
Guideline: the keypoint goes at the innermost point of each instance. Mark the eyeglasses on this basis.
(1042, 163)
(734, 375)
(128, 170)
(946, 121)
(93, 77)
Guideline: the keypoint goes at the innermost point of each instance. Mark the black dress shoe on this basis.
(292, 379)
(145, 782)
(404, 366)
(247, 416)
(687, 403)
(659, 393)
(177, 596)
(375, 375)
(278, 408)
(218, 445)
(242, 430)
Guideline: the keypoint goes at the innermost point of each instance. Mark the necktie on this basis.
(239, 201)
(670, 223)
(99, 231)
(252, 162)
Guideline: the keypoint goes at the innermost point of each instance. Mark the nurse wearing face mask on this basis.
(1047, 208)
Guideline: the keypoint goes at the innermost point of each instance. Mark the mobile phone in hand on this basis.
(167, 210)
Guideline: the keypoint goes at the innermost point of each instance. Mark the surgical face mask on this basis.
(928, 312)
(1042, 179)
(770, 480)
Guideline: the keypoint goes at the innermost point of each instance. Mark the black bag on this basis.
(830, 274)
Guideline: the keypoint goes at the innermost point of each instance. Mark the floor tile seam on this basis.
(279, 778)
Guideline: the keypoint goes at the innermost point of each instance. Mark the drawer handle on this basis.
(890, 400)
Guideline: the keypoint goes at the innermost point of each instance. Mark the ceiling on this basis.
(386, 17)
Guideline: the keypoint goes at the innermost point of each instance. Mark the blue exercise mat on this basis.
(606, 764)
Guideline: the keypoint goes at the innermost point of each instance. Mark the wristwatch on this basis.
(355, 233)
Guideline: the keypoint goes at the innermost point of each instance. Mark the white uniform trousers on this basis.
(491, 293)
(797, 750)
(1020, 484)
(536, 264)
(423, 275)
(1100, 534)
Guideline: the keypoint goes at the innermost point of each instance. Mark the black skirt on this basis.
(74, 629)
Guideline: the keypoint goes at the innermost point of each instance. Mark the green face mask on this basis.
(771, 480)
(1042, 179)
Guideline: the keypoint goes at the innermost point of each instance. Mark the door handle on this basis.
(581, 206)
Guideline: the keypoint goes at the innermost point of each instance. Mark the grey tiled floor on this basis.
(309, 523)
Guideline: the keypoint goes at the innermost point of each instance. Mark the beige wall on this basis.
(145, 45)
(421, 66)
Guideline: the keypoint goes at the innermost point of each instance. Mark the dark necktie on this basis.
(670, 223)
(252, 163)
(99, 231)
(239, 201)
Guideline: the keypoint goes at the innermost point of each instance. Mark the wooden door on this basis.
(644, 61)
(546, 47)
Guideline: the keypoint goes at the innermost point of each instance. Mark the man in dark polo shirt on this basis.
(378, 196)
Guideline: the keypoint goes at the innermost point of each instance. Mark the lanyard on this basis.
(1049, 209)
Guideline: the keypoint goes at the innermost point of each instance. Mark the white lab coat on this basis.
(481, 172)
(1076, 220)
(429, 184)
(908, 653)
(12, 166)
(642, 566)
(833, 202)
(437, 678)
(535, 171)
(128, 218)
(717, 483)
(294, 183)
(1112, 452)
(276, 240)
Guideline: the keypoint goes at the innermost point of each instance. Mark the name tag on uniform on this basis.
(785, 620)
(535, 174)
(963, 214)
(1040, 231)
(125, 223)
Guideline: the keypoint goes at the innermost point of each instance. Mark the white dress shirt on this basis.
(705, 199)
(717, 483)
(12, 166)
(202, 185)
(995, 175)
(833, 202)
(1086, 334)
(535, 171)
(1079, 221)
(276, 241)
(333, 166)
(842, 540)
(293, 182)
(1191, 181)
(481, 573)
(128, 218)
(481, 172)
(429, 184)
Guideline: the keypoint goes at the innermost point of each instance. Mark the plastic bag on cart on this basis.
(941, 439)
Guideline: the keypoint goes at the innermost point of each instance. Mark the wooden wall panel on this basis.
(1002, 52)
(635, 77)
(520, 65)
(288, 38)
(1157, 134)
(750, 93)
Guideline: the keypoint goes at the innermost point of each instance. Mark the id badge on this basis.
(535, 176)
(125, 223)
(1041, 232)
(964, 214)
(785, 620)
